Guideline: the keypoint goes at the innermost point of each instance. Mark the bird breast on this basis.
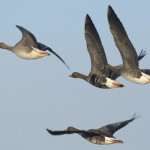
(144, 79)
(34, 54)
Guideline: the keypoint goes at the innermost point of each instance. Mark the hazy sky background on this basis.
(38, 94)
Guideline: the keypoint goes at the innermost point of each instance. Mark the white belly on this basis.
(144, 79)
(34, 54)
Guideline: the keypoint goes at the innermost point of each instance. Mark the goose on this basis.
(103, 135)
(99, 76)
(130, 68)
(29, 48)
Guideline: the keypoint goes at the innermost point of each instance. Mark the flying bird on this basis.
(103, 135)
(29, 48)
(130, 68)
(99, 75)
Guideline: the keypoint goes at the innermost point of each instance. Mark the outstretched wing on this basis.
(141, 55)
(126, 48)
(62, 132)
(114, 75)
(110, 129)
(94, 46)
(28, 39)
(44, 48)
(146, 71)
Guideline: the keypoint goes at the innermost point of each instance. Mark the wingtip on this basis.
(49, 131)
(110, 10)
(109, 7)
(67, 66)
(135, 116)
(18, 26)
(59, 58)
(87, 16)
(87, 19)
(142, 54)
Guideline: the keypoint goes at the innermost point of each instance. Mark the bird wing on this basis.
(82, 132)
(146, 71)
(28, 39)
(110, 129)
(114, 75)
(141, 55)
(94, 46)
(60, 132)
(126, 48)
(44, 48)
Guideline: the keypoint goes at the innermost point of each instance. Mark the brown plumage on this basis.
(103, 135)
(130, 68)
(100, 75)
(29, 48)
(97, 76)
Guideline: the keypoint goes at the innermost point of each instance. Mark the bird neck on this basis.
(82, 76)
(5, 46)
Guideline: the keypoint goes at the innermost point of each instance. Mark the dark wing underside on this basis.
(141, 55)
(127, 50)
(110, 129)
(28, 39)
(81, 132)
(60, 132)
(44, 48)
(146, 71)
(94, 46)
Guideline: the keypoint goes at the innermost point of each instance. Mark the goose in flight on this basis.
(130, 68)
(99, 75)
(103, 135)
(29, 48)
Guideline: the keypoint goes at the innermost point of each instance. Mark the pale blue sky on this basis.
(38, 94)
